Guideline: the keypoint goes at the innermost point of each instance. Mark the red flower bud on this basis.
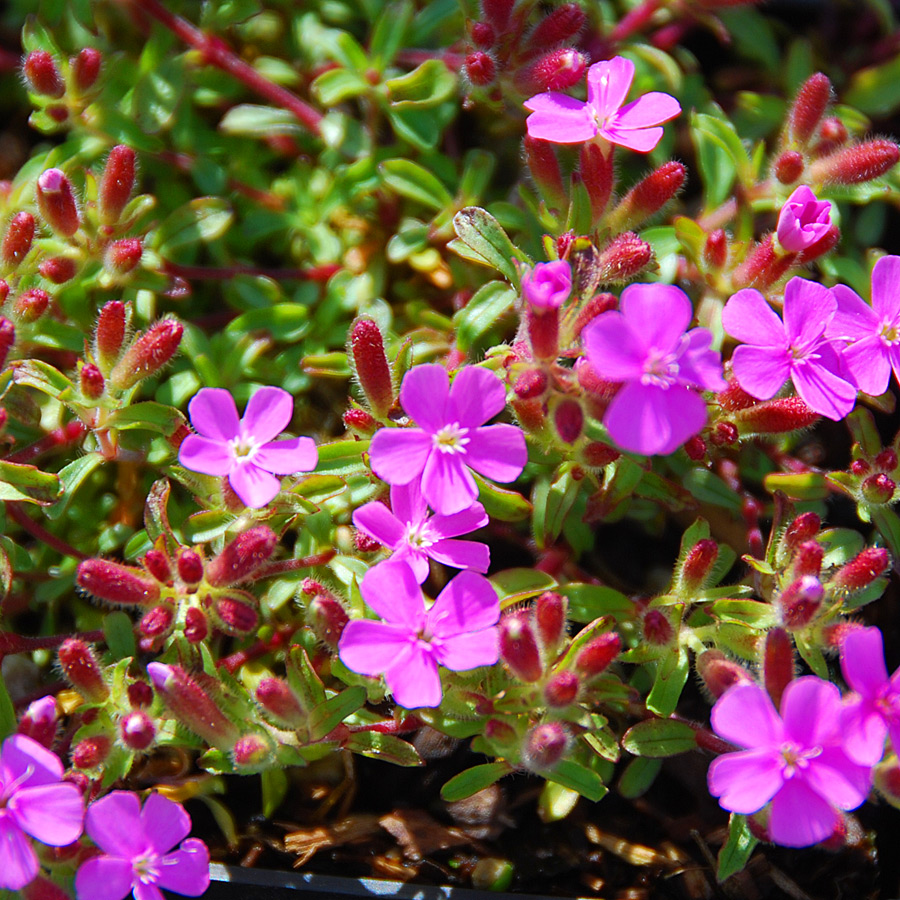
(482, 35)
(42, 75)
(121, 257)
(856, 164)
(148, 354)
(550, 619)
(109, 334)
(823, 245)
(497, 12)
(719, 673)
(809, 107)
(371, 365)
(278, 700)
(807, 559)
(196, 625)
(886, 460)
(518, 647)
(480, 68)
(156, 562)
(562, 689)
(625, 257)
(91, 382)
(648, 196)
(116, 184)
(860, 467)
(763, 266)
(251, 751)
(57, 113)
(862, 570)
(800, 602)
(501, 734)
(695, 448)
(116, 583)
(777, 663)
(715, 251)
(598, 455)
(31, 305)
(58, 269)
(788, 167)
(56, 202)
(544, 167)
(803, 528)
(554, 71)
(136, 730)
(327, 618)
(697, 566)
(91, 752)
(723, 434)
(832, 134)
(7, 338)
(568, 418)
(597, 654)
(360, 421)
(140, 694)
(157, 622)
(236, 614)
(598, 304)
(242, 557)
(779, 416)
(364, 543)
(598, 177)
(81, 669)
(529, 413)
(544, 746)
(657, 628)
(86, 68)
(562, 24)
(17, 240)
(878, 488)
(190, 567)
(40, 721)
(530, 384)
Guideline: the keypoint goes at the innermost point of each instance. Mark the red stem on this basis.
(215, 52)
(281, 566)
(59, 437)
(634, 20)
(224, 273)
(391, 726)
(21, 518)
(10, 642)
(278, 640)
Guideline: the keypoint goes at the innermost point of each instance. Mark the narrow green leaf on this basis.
(203, 219)
(250, 120)
(736, 851)
(427, 85)
(482, 239)
(27, 484)
(71, 477)
(415, 182)
(658, 738)
(118, 631)
(274, 784)
(8, 719)
(337, 85)
(577, 777)
(387, 747)
(638, 777)
(514, 585)
(671, 676)
(591, 601)
(490, 303)
(500, 503)
(328, 715)
(473, 780)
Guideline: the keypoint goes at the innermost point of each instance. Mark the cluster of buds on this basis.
(872, 478)
(185, 596)
(506, 51)
(60, 88)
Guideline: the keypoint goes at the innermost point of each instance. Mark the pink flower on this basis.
(873, 331)
(414, 536)
(136, 844)
(457, 632)
(803, 220)
(547, 285)
(796, 761)
(564, 120)
(449, 439)
(873, 710)
(645, 346)
(244, 449)
(34, 800)
(773, 351)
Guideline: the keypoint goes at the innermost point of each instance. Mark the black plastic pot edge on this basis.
(232, 883)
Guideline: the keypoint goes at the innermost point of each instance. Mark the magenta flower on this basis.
(645, 346)
(136, 845)
(547, 285)
(798, 348)
(414, 536)
(796, 761)
(244, 449)
(874, 331)
(35, 801)
(564, 120)
(457, 632)
(803, 220)
(451, 438)
(873, 710)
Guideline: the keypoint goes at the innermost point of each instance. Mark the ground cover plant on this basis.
(501, 389)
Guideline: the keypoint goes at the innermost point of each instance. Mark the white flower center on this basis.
(146, 868)
(889, 332)
(660, 369)
(795, 758)
(243, 447)
(418, 535)
(451, 438)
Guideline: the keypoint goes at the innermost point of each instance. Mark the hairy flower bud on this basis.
(697, 566)
(800, 601)
(40, 721)
(598, 455)
(544, 167)
(116, 184)
(862, 570)
(30, 305)
(242, 557)
(17, 240)
(598, 177)
(109, 334)
(777, 663)
(886, 460)
(808, 107)
(860, 467)
(7, 338)
(278, 700)
(550, 619)
(236, 613)
(327, 618)
(544, 746)
(878, 488)
(81, 669)
(832, 134)
(116, 583)
(122, 257)
(562, 689)
(519, 648)
(137, 730)
(196, 625)
(156, 562)
(803, 528)
(251, 751)
(554, 71)
(597, 305)
(856, 164)
(86, 68)
(190, 567)
(91, 752)
(501, 734)
(779, 416)
(157, 622)
(763, 265)
(42, 75)
(497, 12)
(148, 354)
(648, 196)
(568, 419)
(788, 167)
(140, 694)
(360, 421)
(719, 673)
(715, 251)
(807, 559)
(371, 365)
(482, 34)
(657, 628)
(562, 24)
(530, 384)
(58, 269)
(597, 654)
(625, 257)
(695, 448)
(824, 245)
(480, 68)
(91, 382)
(56, 202)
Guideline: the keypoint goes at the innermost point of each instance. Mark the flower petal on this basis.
(698, 364)
(459, 523)
(391, 590)
(267, 414)
(476, 395)
(498, 452)
(744, 715)
(52, 813)
(186, 871)
(761, 371)
(746, 781)
(146, 891)
(398, 455)
(424, 394)
(886, 288)
(255, 486)
(641, 140)
(104, 878)
(560, 119)
(28, 763)
(811, 710)
(467, 603)
(834, 776)
(818, 383)
(377, 521)
(608, 83)
(469, 651)
(416, 559)
(658, 314)
(414, 680)
(854, 319)
(214, 414)
(18, 861)
(371, 648)
(748, 318)
(864, 729)
(165, 823)
(205, 455)
(808, 308)
(461, 554)
(614, 350)
(800, 817)
(447, 484)
(650, 109)
(869, 362)
(862, 661)
(407, 502)
(113, 823)
(287, 456)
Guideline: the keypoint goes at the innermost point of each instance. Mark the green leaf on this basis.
(71, 477)
(427, 85)
(499, 503)
(659, 738)
(722, 132)
(482, 240)
(274, 782)
(41, 376)
(286, 322)
(887, 523)
(418, 127)
(473, 780)
(118, 631)
(876, 89)
(27, 484)
(207, 525)
(8, 721)
(717, 168)
(798, 485)
(390, 33)
(514, 585)
(337, 85)
(708, 487)
(387, 747)
(671, 676)
(328, 715)
(576, 777)
(490, 303)
(202, 219)
(415, 182)
(638, 777)
(6, 577)
(592, 601)
(303, 680)
(148, 416)
(736, 851)
(250, 120)
(552, 502)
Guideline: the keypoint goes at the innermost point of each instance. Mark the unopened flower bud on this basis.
(886, 460)
(697, 566)
(58, 269)
(251, 751)
(140, 694)
(550, 619)
(236, 614)
(122, 257)
(30, 305)
(191, 705)
(807, 559)
(544, 167)
(148, 354)
(86, 68)
(560, 25)
(497, 12)
(860, 467)
(371, 365)
(7, 338)
(81, 669)
(544, 746)
(719, 673)
(40, 721)
(91, 382)
(530, 384)
(763, 265)
(856, 164)
(568, 419)
(327, 618)
(278, 700)
(116, 184)
(599, 455)
(597, 654)
(501, 734)
(832, 134)
(648, 196)
(242, 557)
(695, 448)
(597, 305)
(42, 74)
(17, 240)
(597, 176)
(803, 528)
(625, 257)
(777, 663)
(554, 71)
(196, 625)
(715, 250)
(109, 334)
(878, 488)
(56, 202)
(778, 416)
(482, 34)
(862, 570)
(480, 68)
(724, 434)
(800, 602)
(360, 421)
(803, 221)
(116, 583)
(657, 628)
(91, 752)
(157, 622)
(529, 413)
(823, 245)
(156, 562)
(519, 648)
(808, 107)
(788, 167)
(137, 730)
(190, 567)
(562, 689)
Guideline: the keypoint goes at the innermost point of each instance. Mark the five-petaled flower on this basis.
(803, 220)
(451, 437)
(457, 632)
(136, 845)
(798, 347)
(35, 801)
(414, 536)
(564, 120)
(244, 449)
(873, 331)
(796, 761)
(645, 346)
